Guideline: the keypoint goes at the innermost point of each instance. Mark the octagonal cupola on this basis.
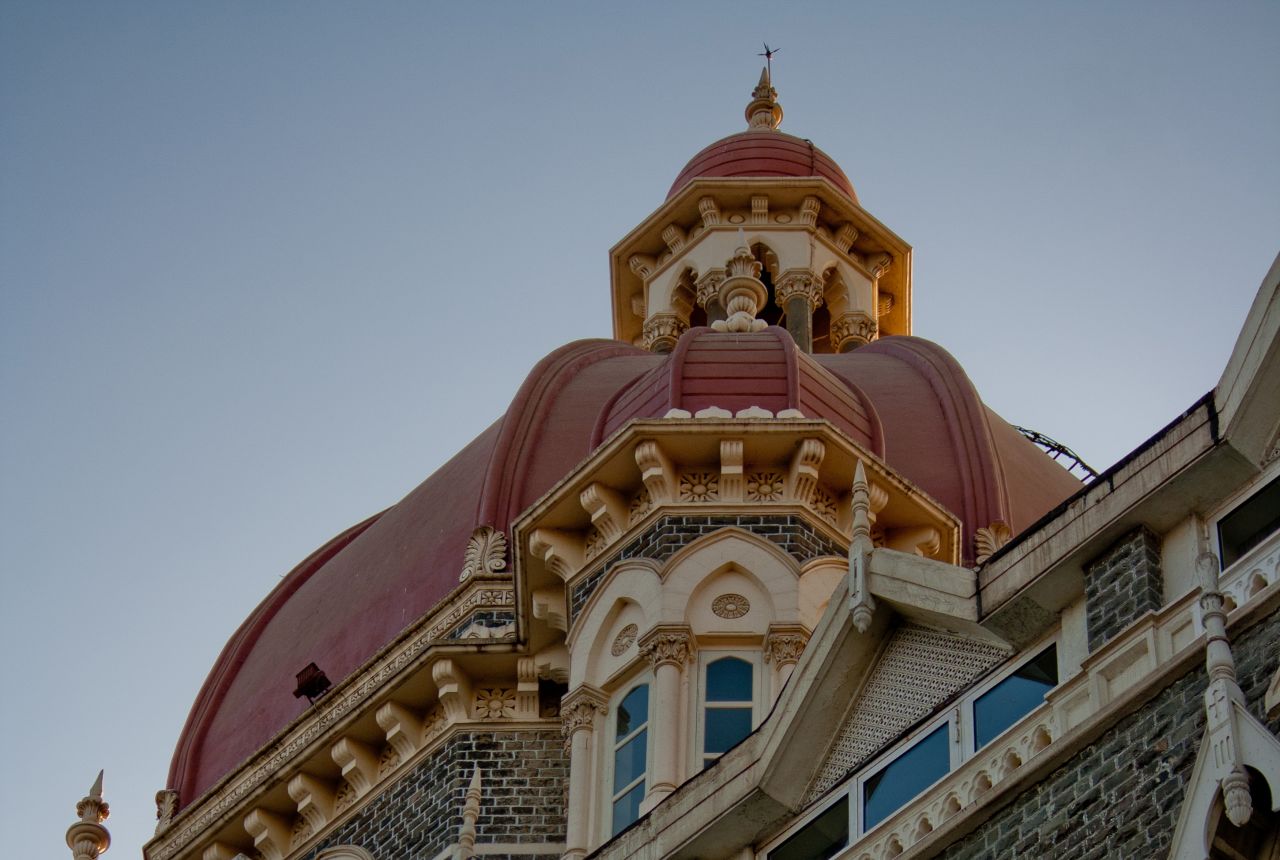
(769, 207)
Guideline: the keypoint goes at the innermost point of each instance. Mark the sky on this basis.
(264, 267)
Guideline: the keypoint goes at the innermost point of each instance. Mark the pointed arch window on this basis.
(630, 756)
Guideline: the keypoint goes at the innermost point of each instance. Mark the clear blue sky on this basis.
(263, 267)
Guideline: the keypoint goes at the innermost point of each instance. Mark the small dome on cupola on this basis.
(762, 150)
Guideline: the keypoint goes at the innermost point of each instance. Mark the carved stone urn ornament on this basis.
(742, 293)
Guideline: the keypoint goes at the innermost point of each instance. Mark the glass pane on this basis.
(626, 809)
(725, 727)
(819, 839)
(1014, 697)
(1250, 524)
(729, 680)
(908, 775)
(633, 712)
(628, 761)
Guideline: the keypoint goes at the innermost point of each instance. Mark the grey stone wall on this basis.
(792, 533)
(524, 775)
(1122, 584)
(1120, 797)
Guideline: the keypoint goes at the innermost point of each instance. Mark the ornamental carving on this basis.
(625, 639)
(823, 504)
(798, 284)
(783, 648)
(708, 286)
(674, 647)
(852, 329)
(486, 553)
(388, 761)
(594, 543)
(640, 505)
(765, 486)
(578, 710)
(987, 540)
(166, 806)
(495, 704)
(345, 797)
(699, 487)
(731, 606)
(661, 331)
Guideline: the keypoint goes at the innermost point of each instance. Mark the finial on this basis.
(861, 604)
(87, 838)
(763, 111)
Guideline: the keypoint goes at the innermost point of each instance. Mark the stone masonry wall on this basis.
(1121, 796)
(660, 541)
(1122, 584)
(523, 780)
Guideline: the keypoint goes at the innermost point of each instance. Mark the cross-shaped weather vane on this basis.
(768, 53)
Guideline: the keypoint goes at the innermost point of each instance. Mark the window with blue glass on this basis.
(630, 756)
(924, 763)
(728, 704)
(1016, 696)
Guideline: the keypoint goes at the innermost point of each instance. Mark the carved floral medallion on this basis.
(625, 639)
(731, 606)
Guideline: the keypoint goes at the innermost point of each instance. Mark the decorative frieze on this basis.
(699, 487)
(495, 704)
(765, 486)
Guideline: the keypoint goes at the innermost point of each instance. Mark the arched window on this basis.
(728, 706)
(630, 756)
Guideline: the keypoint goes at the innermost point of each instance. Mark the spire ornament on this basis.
(861, 604)
(763, 111)
(87, 838)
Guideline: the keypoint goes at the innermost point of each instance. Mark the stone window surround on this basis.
(958, 714)
(1257, 569)
(1241, 497)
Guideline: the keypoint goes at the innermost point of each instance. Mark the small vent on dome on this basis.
(312, 683)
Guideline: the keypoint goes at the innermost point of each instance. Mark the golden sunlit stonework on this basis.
(763, 577)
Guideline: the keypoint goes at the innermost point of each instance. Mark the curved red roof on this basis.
(904, 398)
(766, 152)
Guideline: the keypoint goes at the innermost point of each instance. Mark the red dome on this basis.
(762, 153)
(904, 398)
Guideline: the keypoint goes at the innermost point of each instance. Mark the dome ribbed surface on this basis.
(763, 153)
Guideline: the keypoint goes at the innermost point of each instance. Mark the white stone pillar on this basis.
(783, 645)
(578, 713)
(669, 650)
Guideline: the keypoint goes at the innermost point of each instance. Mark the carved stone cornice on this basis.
(784, 644)
(661, 331)
(668, 645)
(852, 329)
(798, 283)
(578, 709)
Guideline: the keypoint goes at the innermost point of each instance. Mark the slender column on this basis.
(669, 649)
(783, 646)
(578, 714)
(799, 293)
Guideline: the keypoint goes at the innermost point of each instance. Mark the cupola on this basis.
(768, 207)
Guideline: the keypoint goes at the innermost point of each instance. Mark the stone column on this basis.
(799, 293)
(578, 712)
(783, 645)
(669, 649)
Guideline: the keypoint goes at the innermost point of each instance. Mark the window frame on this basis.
(707, 656)
(958, 714)
(612, 744)
(1239, 499)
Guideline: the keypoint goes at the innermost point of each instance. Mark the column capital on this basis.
(578, 709)
(798, 283)
(784, 643)
(668, 644)
(851, 330)
(661, 331)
